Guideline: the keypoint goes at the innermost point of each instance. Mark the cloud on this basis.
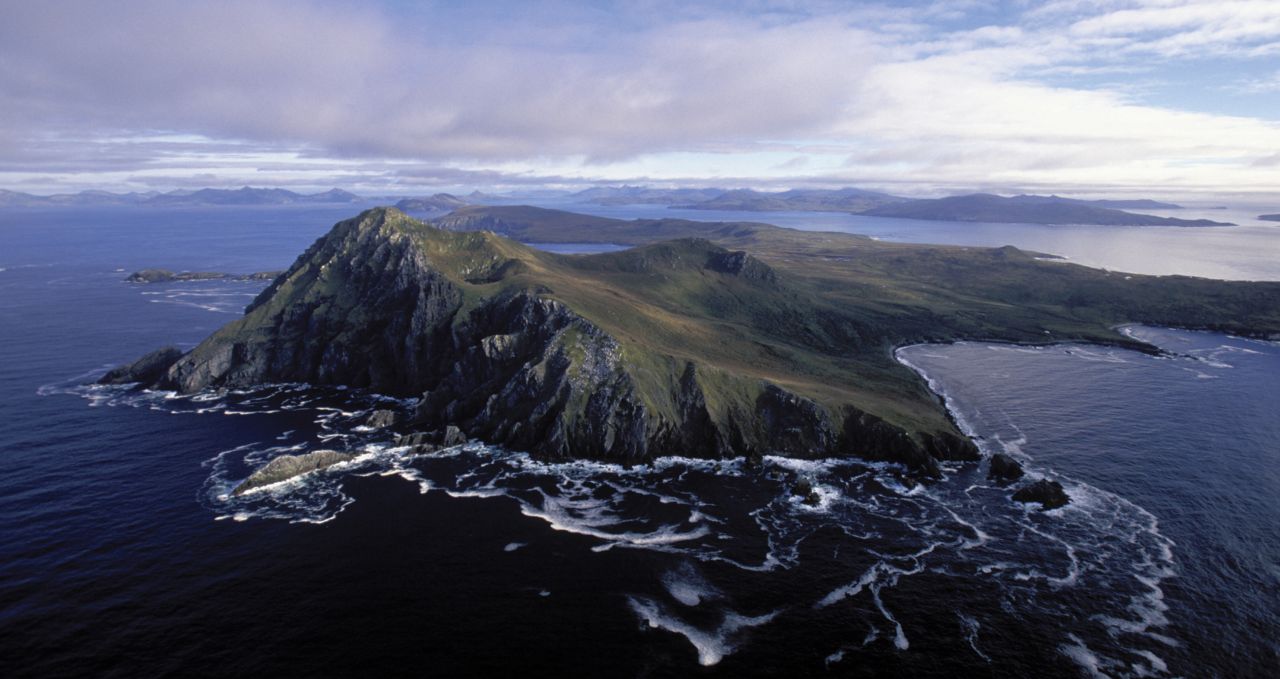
(350, 82)
(299, 91)
(1172, 28)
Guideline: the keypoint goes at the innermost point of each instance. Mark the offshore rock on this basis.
(1004, 469)
(167, 276)
(286, 467)
(1048, 493)
(146, 370)
(804, 489)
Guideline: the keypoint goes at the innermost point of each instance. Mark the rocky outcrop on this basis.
(1048, 493)
(147, 370)
(494, 341)
(286, 467)
(1004, 469)
(167, 276)
(426, 442)
(381, 419)
(803, 489)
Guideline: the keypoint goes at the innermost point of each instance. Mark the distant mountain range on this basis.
(985, 207)
(818, 200)
(978, 207)
(242, 196)
(644, 195)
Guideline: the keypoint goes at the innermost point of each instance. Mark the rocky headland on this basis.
(729, 340)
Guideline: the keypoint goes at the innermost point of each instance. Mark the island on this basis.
(438, 202)
(982, 207)
(167, 276)
(644, 195)
(813, 200)
(706, 339)
(244, 196)
(1270, 218)
(985, 207)
(286, 467)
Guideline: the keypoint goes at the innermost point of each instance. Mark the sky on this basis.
(1100, 97)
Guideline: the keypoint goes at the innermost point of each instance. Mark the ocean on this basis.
(124, 554)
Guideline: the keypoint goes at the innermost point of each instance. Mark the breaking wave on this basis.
(880, 530)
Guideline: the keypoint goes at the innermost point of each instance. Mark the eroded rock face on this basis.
(385, 303)
(286, 467)
(362, 307)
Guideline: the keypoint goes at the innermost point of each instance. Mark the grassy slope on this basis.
(844, 302)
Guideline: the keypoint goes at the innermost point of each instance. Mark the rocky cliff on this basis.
(679, 348)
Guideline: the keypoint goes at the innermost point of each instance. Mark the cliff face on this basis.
(362, 307)
(562, 357)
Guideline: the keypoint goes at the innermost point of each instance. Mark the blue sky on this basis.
(1159, 97)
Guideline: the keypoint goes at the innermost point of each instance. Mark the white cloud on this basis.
(307, 91)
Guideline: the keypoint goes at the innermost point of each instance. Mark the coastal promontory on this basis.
(706, 340)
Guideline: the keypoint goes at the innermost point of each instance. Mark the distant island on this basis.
(167, 276)
(1270, 218)
(715, 339)
(438, 202)
(985, 207)
(242, 196)
(643, 195)
(978, 207)
(815, 200)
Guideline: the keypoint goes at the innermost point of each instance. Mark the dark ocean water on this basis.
(123, 555)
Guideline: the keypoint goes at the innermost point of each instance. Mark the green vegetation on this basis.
(827, 329)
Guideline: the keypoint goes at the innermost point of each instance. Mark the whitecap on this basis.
(712, 645)
(1081, 654)
(689, 587)
(970, 626)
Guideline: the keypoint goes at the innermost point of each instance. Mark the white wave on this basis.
(513, 546)
(689, 587)
(899, 636)
(980, 537)
(1072, 576)
(827, 496)
(872, 634)
(587, 518)
(841, 593)
(970, 626)
(1089, 661)
(1157, 664)
(712, 645)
